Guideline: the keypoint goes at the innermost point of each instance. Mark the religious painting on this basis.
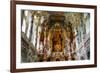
(50, 35)
(54, 36)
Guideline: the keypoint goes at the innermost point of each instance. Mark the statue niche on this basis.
(57, 42)
(57, 38)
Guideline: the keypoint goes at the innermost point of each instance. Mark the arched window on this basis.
(23, 25)
(29, 18)
(26, 22)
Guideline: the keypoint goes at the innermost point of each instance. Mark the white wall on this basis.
(5, 36)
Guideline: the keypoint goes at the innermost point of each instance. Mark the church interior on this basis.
(54, 36)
